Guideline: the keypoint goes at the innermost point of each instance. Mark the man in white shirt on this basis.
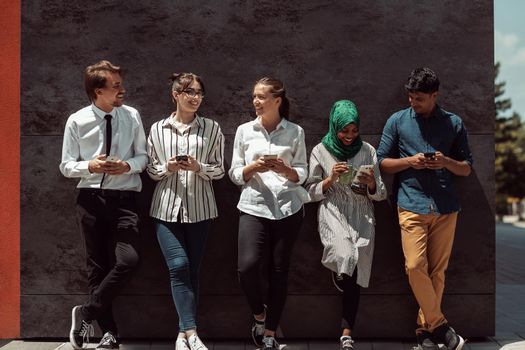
(105, 147)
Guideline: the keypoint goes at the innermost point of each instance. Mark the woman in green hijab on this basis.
(344, 176)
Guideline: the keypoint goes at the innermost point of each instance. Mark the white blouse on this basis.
(268, 194)
(346, 219)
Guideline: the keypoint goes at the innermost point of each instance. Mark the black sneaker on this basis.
(346, 343)
(269, 343)
(446, 335)
(337, 278)
(108, 341)
(81, 329)
(425, 342)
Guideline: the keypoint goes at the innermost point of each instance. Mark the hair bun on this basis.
(174, 77)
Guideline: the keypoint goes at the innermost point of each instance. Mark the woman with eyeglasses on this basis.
(344, 177)
(269, 162)
(185, 154)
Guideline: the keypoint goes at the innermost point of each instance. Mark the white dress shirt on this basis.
(269, 194)
(185, 194)
(84, 140)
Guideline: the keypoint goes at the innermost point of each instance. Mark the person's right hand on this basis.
(338, 169)
(417, 161)
(173, 165)
(97, 165)
(260, 166)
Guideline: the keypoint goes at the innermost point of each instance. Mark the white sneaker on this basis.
(347, 342)
(196, 343)
(182, 344)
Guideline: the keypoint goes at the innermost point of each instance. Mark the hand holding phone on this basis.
(112, 159)
(364, 174)
(430, 155)
(181, 158)
(365, 169)
(269, 156)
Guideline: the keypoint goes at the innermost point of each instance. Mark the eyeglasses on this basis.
(193, 93)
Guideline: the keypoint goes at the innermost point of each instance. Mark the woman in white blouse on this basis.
(185, 154)
(346, 212)
(269, 162)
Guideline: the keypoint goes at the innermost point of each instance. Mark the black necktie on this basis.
(108, 142)
(108, 134)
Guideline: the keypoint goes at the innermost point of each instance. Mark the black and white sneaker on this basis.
(81, 329)
(269, 343)
(454, 341)
(258, 332)
(258, 328)
(108, 341)
(337, 278)
(425, 341)
(446, 335)
(346, 343)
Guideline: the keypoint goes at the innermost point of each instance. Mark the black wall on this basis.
(323, 51)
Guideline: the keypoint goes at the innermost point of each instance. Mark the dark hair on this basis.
(422, 80)
(277, 89)
(181, 81)
(95, 77)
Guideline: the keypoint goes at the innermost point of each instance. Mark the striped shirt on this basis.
(346, 219)
(185, 196)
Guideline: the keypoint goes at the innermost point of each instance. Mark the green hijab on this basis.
(343, 112)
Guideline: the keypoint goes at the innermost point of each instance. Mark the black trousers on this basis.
(351, 294)
(272, 241)
(108, 222)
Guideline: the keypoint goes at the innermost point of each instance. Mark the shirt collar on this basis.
(101, 114)
(437, 112)
(197, 120)
(282, 124)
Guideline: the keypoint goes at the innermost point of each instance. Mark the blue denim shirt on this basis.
(405, 134)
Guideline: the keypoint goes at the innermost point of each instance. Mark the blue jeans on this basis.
(183, 247)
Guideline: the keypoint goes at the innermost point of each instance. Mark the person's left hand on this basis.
(367, 179)
(191, 164)
(437, 162)
(277, 165)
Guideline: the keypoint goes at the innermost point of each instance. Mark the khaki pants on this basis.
(427, 243)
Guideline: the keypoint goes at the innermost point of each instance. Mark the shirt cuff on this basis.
(238, 178)
(132, 167)
(318, 194)
(83, 167)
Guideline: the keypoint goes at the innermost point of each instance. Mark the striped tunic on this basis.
(346, 219)
(187, 192)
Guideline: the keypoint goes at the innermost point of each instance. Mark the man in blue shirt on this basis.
(425, 146)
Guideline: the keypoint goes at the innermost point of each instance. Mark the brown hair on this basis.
(277, 89)
(181, 81)
(95, 76)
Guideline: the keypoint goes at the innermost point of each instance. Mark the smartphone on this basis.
(346, 178)
(181, 158)
(112, 159)
(430, 155)
(367, 169)
(269, 156)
